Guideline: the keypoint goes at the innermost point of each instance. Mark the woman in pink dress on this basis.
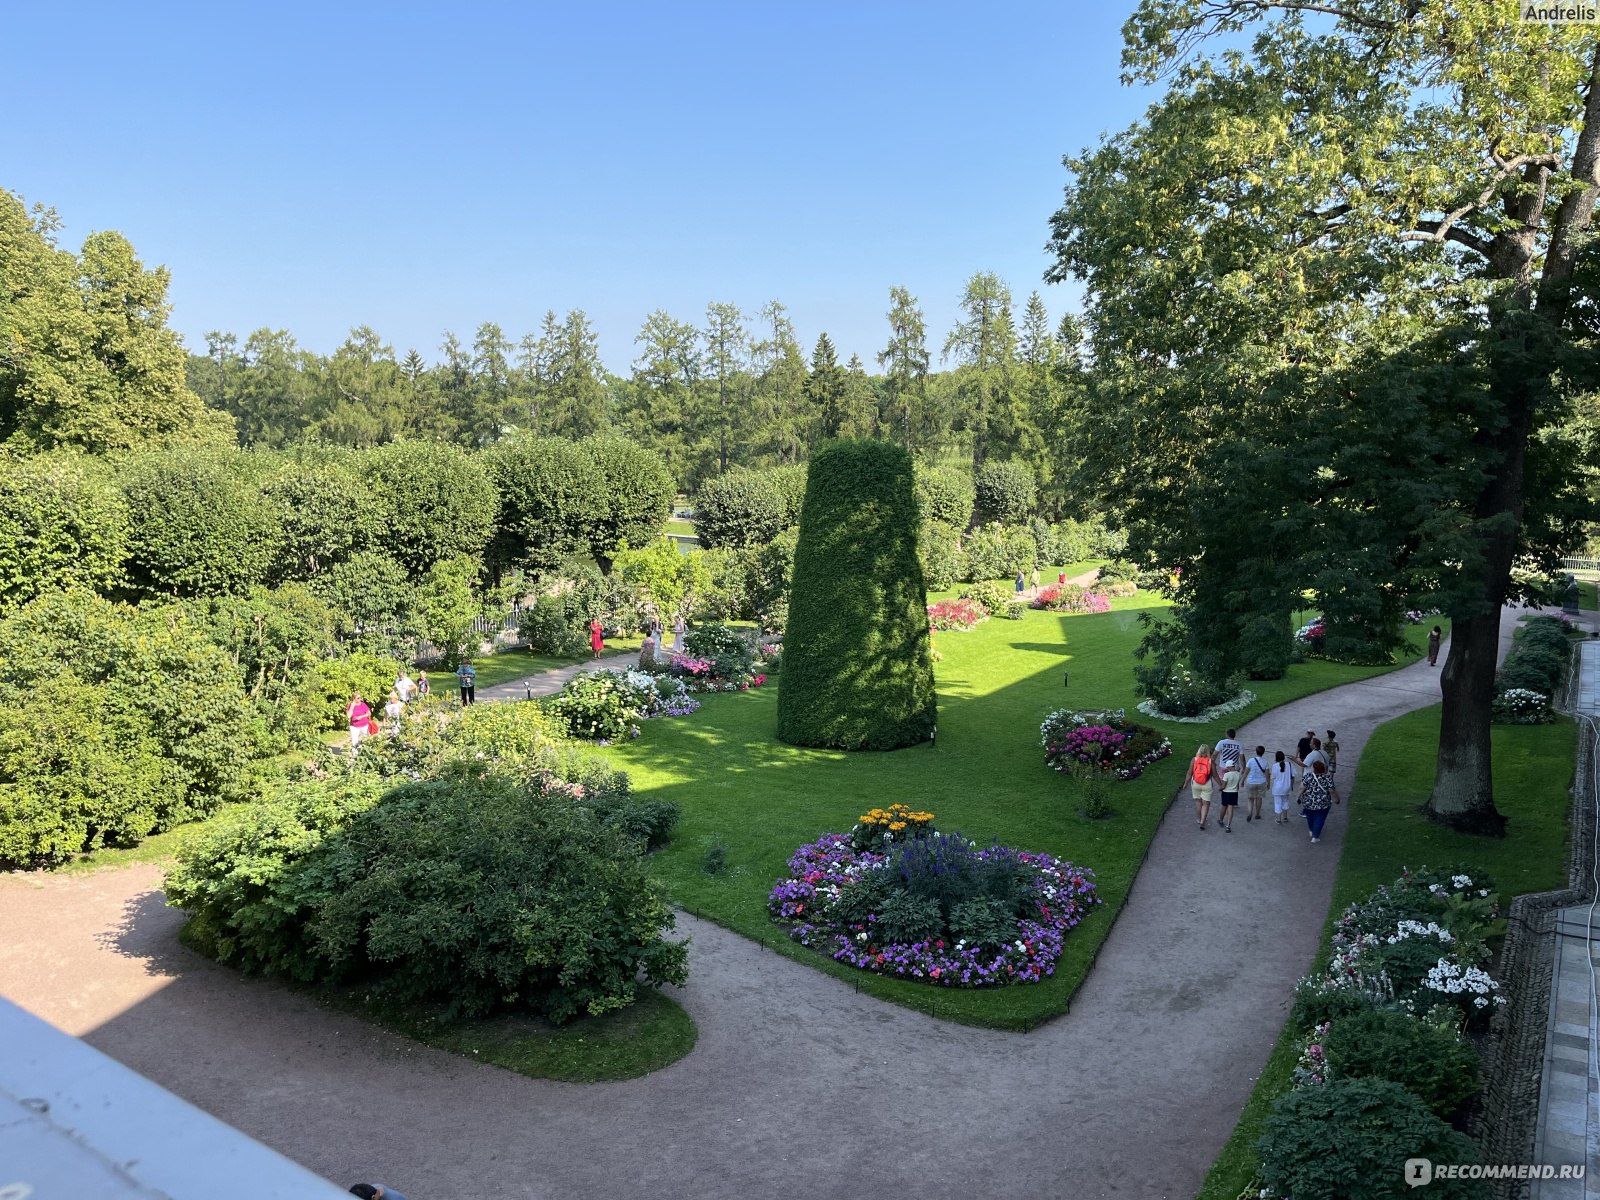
(360, 718)
(596, 637)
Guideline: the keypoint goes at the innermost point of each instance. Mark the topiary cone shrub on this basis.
(857, 660)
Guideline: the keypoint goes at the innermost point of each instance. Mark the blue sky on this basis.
(418, 168)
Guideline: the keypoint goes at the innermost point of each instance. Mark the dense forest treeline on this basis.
(738, 389)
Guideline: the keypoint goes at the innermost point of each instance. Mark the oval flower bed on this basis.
(934, 907)
(945, 615)
(1071, 598)
(1105, 739)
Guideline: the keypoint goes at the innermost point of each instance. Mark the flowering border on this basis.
(1243, 700)
(819, 871)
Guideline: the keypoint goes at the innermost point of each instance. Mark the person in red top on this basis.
(597, 638)
(1202, 781)
(360, 718)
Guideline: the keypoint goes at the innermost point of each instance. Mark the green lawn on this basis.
(1532, 773)
(1587, 594)
(649, 1034)
(986, 778)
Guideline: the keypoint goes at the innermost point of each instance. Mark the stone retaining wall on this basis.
(1513, 1053)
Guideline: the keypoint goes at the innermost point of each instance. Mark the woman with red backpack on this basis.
(1202, 782)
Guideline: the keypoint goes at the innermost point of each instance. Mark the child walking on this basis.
(1282, 786)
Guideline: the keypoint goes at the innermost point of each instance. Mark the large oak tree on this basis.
(1332, 301)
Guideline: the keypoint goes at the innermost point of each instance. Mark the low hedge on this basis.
(1431, 1062)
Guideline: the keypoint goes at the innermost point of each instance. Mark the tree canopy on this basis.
(1333, 319)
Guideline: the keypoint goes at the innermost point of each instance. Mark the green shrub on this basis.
(1003, 492)
(910, 918)
(63, 524)
(472, 891)
(1347, 1140)
(432, 501)
(739, 509)
(1432, 1063)
(715, 859)
(373, 602)
(944, 495)
(323, 511)
(858, 672)
(731, 653)
(1118, 571)
(992, 597)
(1538, 669)
(939, 552)
(552, 625)
(998, 552)
(1264, 646)
(198, 526)
(1315, 1003)
(983, 921)
(599, 706)
(1073, 541)
(1015, 610)
(107, 784)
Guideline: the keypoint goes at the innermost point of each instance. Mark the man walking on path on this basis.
(467, 680)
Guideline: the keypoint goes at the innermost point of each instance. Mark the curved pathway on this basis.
(799, 1085)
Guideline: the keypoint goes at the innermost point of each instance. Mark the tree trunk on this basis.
(1463, 784)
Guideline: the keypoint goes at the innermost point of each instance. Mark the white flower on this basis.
(1461, 881)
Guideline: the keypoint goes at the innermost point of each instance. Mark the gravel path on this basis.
(798, 1084)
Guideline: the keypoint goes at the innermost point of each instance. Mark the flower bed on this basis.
(1071, 598)
(1522, 706)
(703, 675)
(1383, 1024)
(934, 907)
(606, 705)
(1243, 700)
(1107, 740)
(946, 615)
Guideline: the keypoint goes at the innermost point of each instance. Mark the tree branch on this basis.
(1219, 9)
(1576, 213)
(1436, 231)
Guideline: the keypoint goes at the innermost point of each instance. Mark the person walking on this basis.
(1202, 783)
(1036, 581)
(1303, 746)
(1330, 750)
(467, 681)
(1434, 637)
(679, 628)
(1317, 795)
(392, 711)
(423, 686)
(1021, 583)
(405, 686)
(1230, 752)
(1282, 782)
(1231, 775)
(1312, 757)
(597, 637)
(1255, 784)
(359, 716)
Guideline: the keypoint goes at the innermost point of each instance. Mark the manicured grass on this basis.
(1532, 773)
(681, 527)
(1588, 597)
(651, 1033)
(986, 778)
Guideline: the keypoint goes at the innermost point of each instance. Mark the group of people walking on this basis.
(1225, 769)
(363, 721)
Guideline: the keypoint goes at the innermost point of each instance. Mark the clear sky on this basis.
(422, 168)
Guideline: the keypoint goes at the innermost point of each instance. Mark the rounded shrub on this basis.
(1429, 1061)
(63, 524)
(1348, 1139)
(1004, 492)
(475, 892)
(739, 509)
(858, 668)
(939, 550)
(431, 501)
(944, 494)
(198, 524)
